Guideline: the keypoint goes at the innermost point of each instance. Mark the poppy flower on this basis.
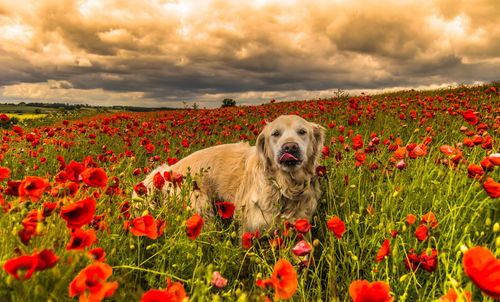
(336, 226)
(32, 187)
(174, 293)
(247, 240)
(492, 188)
(174, 178)
(429, 262)
(483, 268)
(452, 296)
(4, 173)
(94, 177)
(421, 232)
(80, 239)
(12, 188)
(283, 280)
(302, 225)
(362, 290)
(495, 159)
(429, 219)
(470, 117)
(447, 150)
(24, 262)
(73, 170)
(321, 171)
(79, 213)
(93, 279)
(158, 180)
(194, 225)
(412, 261)
(140, 189)
(217, 280)
(226, 209)
(144, 226)
(475, 171)
(46, 259)
(357, 142)
(383, 251)
(410, 219)
(302, 248)
(97, 254)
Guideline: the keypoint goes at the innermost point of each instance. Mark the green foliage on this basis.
(372, 202)
(228, 103)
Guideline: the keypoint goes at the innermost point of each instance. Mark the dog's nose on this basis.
(290, 147)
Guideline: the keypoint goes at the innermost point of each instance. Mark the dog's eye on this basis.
(276, 133)
(302, 131)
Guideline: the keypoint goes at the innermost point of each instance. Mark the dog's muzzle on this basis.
(290, 155)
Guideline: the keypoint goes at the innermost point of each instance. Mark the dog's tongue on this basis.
(287, 157)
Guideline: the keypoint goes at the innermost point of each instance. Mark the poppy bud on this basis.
(132, 247)
(137, 199)
(488, 221)
(497, 243)
(403, 278)
(316, 242)
(496, 227)
(428, 252)
(463, 248)
(233, 235)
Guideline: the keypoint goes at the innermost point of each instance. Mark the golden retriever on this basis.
(271, 182)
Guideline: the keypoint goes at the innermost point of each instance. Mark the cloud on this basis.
(166, 52)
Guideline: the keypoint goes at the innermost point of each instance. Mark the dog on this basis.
(271, 182)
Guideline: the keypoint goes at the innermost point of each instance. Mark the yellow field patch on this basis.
(25, 116)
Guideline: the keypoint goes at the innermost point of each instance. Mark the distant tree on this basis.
(37, 111)
(228, 103)
(195, 106)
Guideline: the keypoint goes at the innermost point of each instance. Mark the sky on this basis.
(177, 53)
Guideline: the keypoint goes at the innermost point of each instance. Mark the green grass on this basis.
(465, 214)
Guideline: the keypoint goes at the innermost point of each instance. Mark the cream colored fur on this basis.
(263, 191)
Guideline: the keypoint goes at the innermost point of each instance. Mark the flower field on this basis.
(410, 206)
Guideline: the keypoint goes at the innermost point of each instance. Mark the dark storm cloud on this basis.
(169, 51)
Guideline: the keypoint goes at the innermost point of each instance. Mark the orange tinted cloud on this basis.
(165, 52)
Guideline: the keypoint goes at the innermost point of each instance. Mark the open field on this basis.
(409, 189)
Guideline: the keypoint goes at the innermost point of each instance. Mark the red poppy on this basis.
(97, 254)
(92, 279)
(492, 188)
(321, 171)
(362, 290)
(412, 261)
(336, 226)
(4, 173)
(448, 150)
(217, 280)
(247, 240)
(73, 170)
(46, 259)
(357, 142)
(174, 178)
(226, 209)
(25, 262)
(383, 251)
(32, 187)
(302, 225)
(12, 188)
(429, 262)
(158, 180)
(79, 213)
(30, 263)
(302, 248)
(475, 171)
(429, 219)
(483, 268)
(410, 219)
(144, 226)
(174, 293)
(283, 280)
(421, 232)
(140, 189)
(495, 159)
(470, 117)
(80, 239)
(194, 225)
(94, 177)
(452, 296)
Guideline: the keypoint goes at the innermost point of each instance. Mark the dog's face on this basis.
(290, 143)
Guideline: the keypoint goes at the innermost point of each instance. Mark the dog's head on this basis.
(290, 143)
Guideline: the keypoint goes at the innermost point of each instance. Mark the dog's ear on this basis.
(317, 141)
(263, 150)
